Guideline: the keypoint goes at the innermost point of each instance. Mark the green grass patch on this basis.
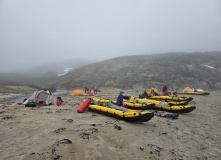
(16, 89)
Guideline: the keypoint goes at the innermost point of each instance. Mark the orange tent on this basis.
(78, 92)
(153, 89)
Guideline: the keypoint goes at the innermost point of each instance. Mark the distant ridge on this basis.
(176, 70)
(42, 76)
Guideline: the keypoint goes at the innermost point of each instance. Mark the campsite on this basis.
(110, 80)
(179, 122)
(60, 132)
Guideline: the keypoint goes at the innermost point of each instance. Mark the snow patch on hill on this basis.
(66, 70)
(211, 67)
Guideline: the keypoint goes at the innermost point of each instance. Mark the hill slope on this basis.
(43, 75)
(176, 70)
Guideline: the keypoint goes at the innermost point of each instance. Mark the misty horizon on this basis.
(35, 33)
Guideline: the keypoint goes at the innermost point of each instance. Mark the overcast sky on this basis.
(34, 31)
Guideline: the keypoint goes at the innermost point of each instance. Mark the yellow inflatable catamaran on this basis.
(129, 105)
(176, 107)
(120, 112)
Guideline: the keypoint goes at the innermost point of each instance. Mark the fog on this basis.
(40, 31)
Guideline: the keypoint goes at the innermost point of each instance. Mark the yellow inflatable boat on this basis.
(171, 98)
(129, 105)
(171, 103)
(193, 93)
(165, 106)
(121, 113)
(175, 109)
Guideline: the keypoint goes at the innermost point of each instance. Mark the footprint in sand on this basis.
(60, 130)
(7, 117)
(117, 127)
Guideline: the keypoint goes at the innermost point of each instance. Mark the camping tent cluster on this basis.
(187, 89)
(193, 91)
(44, 96)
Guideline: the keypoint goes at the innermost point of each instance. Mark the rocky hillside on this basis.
(176, 70)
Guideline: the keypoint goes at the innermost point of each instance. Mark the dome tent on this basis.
(153, 89)
(78, 92)
(188, 89)
(42, 95)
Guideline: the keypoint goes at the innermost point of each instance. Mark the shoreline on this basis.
(5, 97)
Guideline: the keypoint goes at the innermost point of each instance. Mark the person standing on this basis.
(145, 95)
(164, 89)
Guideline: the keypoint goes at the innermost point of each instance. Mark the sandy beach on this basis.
(59, 132)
